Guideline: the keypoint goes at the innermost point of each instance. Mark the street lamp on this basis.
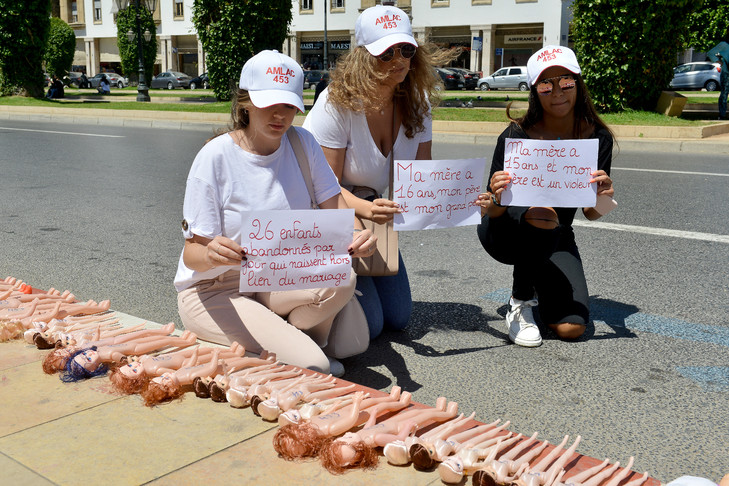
(326, 40)
(142, 89)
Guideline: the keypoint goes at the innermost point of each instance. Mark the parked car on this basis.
(697, 75)
(201, 81)
(171, 80)
(74, 79)
(451, 79)
(114, 80)
(470, 77)
(513, 77)
(312, 78)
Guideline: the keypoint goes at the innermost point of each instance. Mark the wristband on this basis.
(493, 200)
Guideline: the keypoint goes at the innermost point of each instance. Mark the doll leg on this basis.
(217, 312)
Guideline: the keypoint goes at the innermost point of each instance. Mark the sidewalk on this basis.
(712, 138)
(82, 433)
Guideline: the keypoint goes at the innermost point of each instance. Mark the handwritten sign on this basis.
(553, 173)
(295, 249)
(437, 193)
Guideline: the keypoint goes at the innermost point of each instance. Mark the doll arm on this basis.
(583, 476)
(641, 480)
(615, 480)
(387, 406)
(185, 376)
(340, 422)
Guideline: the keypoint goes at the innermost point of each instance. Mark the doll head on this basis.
(10, 331)
(268, 409)
(83, 364)
(347, 452)
(55, 361)
(421, 456)
(290, 417)
(396, 453)
(297, 441)
(451, 470)
(44, 340)
(201, 386)
(128, 379)
(162, 389)
(483, 478)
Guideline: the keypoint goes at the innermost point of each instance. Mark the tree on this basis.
(126, 20)
(708, 25)
(60, 48)
(627, 48)
(232, 32)
(24, 28)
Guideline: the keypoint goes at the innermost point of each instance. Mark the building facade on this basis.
(492, 33)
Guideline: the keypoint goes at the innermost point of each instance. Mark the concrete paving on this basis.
(72, 433)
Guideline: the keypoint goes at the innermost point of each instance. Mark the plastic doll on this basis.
(14, 323)
(56, 360)
(306, 439)
(507, 467)
(169, 385)
(68, 325)
(322, 402)
(133, 377)
(424, 445)
(465, 460)
(357, 449)
(542, 474)
(79, 335)
(87, 363)
(215, 388)
(287, 399)
(239, 383)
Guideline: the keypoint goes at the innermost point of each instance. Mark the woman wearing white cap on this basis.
(380, 89)
(539, 242)
(254, 167)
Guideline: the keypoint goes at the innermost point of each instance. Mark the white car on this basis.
(513, 77)
(115, 79)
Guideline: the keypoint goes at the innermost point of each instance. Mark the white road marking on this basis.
(63, 133)
(713, 174)
(689, 235)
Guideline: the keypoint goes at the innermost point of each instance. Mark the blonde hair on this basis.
(355, 84)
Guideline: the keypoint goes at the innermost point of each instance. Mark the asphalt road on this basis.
(98, 211)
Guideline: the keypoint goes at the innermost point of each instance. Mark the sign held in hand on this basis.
(296, 249)
(550, 173)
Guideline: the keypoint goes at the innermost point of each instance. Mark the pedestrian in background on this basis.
(720, 54)
(539, 242)
(250, 168)
(377, 102)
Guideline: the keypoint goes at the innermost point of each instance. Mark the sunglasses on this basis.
(546, 86)
(407, 51)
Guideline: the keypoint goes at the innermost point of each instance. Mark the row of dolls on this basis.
(23, 312)
(318, 415)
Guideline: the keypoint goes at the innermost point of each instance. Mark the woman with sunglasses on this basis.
(376, 103)
(539, 242)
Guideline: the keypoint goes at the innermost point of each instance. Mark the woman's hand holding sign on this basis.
(363, 244)
(383, 210)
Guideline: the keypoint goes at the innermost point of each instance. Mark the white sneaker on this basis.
(523, 329)
(336, 368)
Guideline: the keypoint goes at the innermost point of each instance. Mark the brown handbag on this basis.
(385, 260)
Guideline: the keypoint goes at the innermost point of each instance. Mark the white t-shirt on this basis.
(225, 180)
(364, 164)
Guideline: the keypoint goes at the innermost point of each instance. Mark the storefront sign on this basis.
(312, 46)
(477, 43)
(523, 39)
(339, 45)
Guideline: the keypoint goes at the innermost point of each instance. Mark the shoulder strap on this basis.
(303, 161)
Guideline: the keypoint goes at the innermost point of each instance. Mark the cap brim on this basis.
(269, 97)
(380, 45)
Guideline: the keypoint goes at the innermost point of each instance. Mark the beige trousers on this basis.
(294, 324)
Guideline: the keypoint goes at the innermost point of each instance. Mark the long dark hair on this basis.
(584, 111)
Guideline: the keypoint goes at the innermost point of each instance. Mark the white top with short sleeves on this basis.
(364, 164)
(225, 180)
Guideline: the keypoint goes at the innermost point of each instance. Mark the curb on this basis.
(707, 139)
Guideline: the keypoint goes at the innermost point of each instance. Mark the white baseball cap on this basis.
(380, 27)
(549, 56)
(273, 78)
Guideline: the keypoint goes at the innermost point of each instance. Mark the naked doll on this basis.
(325, 401)
(94, 361)
(306, 439)
(283, 399)
(357, 449)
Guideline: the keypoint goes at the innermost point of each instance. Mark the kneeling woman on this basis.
(537, 241)
(253, 167)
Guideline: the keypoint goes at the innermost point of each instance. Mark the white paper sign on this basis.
(296, 249)
(437, 193)
(550, 173)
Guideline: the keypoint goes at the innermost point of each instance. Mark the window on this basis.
(515, 71)
(74, 13)
(440, 3)
(179, 9)
(97, 11)
(337, 4)
(305, 5)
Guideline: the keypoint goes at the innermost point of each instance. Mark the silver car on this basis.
(115, 79)
(513, 77)
(696, 75)
(171, 80)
